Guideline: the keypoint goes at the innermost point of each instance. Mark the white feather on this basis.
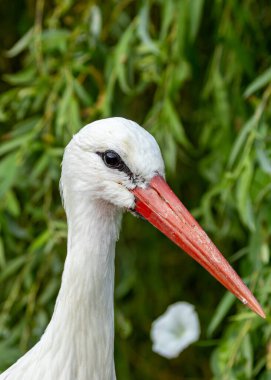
(78, 343)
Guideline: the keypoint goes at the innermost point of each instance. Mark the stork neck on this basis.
(83, 320)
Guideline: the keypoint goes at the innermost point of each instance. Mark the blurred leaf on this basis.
(63, 110)
(240, 141)
(264, 160)
(265, 253)
(2, 254)
(95, 20)
(8, 355)
(12, 204)
(13, 144)
(261, 81)
(221, 311)
(248, 355)
(121, 57)
(243, 195)
(123, 325)
(75, 120)
(12, 267)
(143, 24)
(196, 9)
(173, 120)
(40, 241)
(22, 77)
(82, 93)
(49, 292)
(55, 39)
(168, 15)
(21, 45)
(221, 99)
(40, 166)
(8, 173)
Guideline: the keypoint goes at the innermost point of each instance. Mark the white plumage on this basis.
(78, 343)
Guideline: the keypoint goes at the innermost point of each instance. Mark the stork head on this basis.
(109, 158)
(119, 163)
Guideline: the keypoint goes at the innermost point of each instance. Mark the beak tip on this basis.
(260, 312)
(263, 315)
(254, 306)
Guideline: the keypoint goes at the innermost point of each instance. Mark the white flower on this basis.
(175, 330)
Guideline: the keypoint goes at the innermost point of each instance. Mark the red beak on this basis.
(160, 206)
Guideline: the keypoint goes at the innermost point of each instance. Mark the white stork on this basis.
(110, 166)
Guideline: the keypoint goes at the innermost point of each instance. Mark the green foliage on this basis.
(197, 74)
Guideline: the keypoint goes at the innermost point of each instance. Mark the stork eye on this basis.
(112, 160)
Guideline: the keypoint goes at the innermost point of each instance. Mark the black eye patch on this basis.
(113, 161)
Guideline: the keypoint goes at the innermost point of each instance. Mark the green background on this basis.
(197, 75)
